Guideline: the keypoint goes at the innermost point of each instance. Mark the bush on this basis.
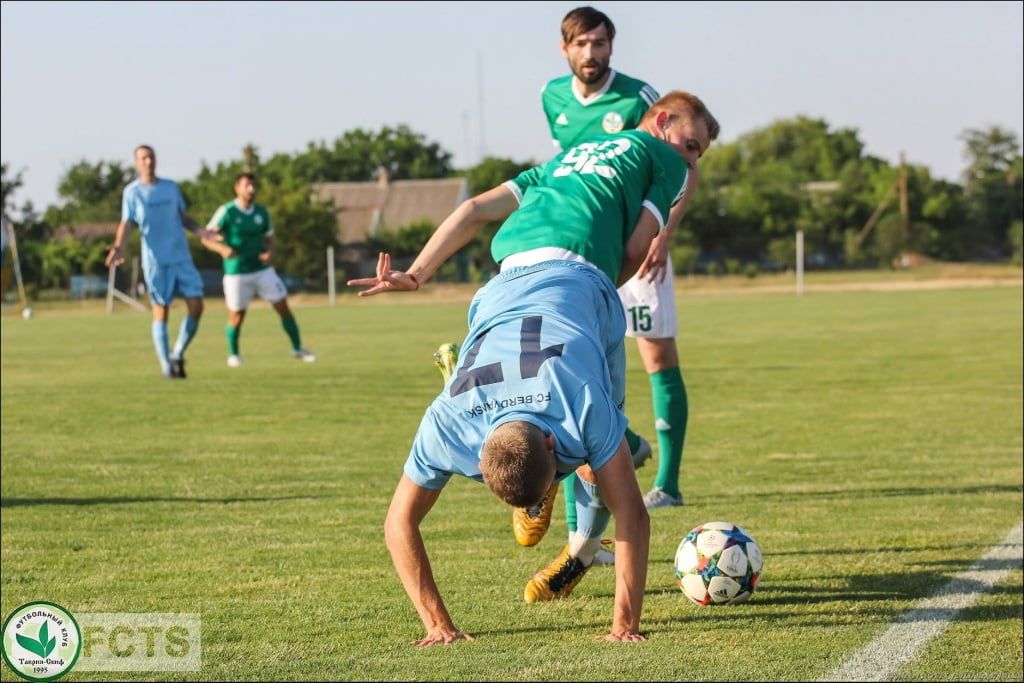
(684, 259)
(714, 268)
(733, 266)
(1016, 236)
(750, 270)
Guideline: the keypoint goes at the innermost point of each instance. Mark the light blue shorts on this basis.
(166, 281)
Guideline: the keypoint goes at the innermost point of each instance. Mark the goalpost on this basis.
(799, 262)
(14, 266)
(114, 293)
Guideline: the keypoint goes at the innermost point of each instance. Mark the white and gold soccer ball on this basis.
(718, 563)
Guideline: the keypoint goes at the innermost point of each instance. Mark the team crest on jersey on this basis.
(562, 120)
(258, 219)
(612, 122)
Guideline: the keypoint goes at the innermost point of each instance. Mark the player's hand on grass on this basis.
(655, 264)
(387, 280)
(441, 635)
(115, 256)
(623, 637)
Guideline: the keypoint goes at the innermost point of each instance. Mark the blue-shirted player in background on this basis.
(157, 207)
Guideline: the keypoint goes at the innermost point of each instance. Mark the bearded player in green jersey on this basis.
(247, 246)
(596, 99)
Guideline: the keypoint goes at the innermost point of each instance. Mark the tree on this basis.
(9, 185)
(28, 224)
(359, 154)
(91, 193)
(993, 185)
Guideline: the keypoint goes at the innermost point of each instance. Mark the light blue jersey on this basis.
(545, 345)
(157, 209)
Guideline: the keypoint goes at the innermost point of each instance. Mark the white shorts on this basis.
(650, 307)
(240, 289)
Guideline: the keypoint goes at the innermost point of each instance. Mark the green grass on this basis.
(871, 442)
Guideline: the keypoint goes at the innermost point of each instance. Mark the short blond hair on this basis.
(680, 103)
(516, 463)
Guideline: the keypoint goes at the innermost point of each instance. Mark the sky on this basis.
(198, 81)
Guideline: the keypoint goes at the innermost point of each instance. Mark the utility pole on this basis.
(904, 206)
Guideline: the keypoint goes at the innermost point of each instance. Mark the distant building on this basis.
(364, 209)
(86, 231)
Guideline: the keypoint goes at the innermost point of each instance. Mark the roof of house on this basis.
(362, 209)
(86, 231)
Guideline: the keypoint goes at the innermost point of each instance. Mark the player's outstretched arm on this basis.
(409, 506)
(188, 223)
(454, 233)
(621, 494)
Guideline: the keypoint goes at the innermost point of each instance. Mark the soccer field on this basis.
(871, 443)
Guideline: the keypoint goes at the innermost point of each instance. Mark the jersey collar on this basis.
(585, 101)
(247, 212)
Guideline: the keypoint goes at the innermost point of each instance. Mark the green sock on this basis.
(671, 411)
(632, 440)
(292, 328)
(569, 491)
(232, 334)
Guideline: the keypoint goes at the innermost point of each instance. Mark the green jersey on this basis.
(618, 106)
(244, 231)
(587, 200)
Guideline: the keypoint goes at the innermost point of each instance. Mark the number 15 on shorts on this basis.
(641, 318)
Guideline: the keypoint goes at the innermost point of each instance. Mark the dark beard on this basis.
(601, 72)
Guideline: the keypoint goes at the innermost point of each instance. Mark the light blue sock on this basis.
(592, 516)
(160, 343)
(185, 333)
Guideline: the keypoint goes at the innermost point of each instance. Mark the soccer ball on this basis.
(718, 563)
(26, 313)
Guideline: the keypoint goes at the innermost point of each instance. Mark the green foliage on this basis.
(755, 193)
(51, 264)
(1016, 239)
(91, 193)
(493, 171)
(404, 242)
(684, 258)
(358, 155)
(994, 186)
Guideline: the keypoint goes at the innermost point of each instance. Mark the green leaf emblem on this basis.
(43, 646)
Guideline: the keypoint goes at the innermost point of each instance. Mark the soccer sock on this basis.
(232, 334)
(593, 518)
(671, 411)
(292, 328)
(185, 333)
(570, 502)
(632, 440)
(159, 330)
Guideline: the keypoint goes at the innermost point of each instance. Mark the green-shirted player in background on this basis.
(592, 100)
(247, 245)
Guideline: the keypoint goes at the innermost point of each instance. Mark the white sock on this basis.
(583, 549)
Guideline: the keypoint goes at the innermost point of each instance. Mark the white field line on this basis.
(883, 656)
